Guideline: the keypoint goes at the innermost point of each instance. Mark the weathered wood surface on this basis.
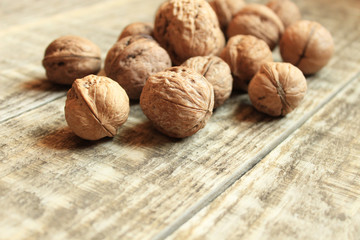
(307, 188)
(141, 184)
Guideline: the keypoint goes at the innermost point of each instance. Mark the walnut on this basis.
(307, 45)
(259, 21)
(226, 10)
(137, 28)
(286, 10)
(178, 101)
(96, 107)
(277, 89)
(217, 72)
(245, 54)
(132, 60)
(188, 28)
(71, 57)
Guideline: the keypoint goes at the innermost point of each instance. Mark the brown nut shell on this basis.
(245, 54)
(226, 10)
(96, 107)
(287, 11)
(188, 28)
(137, 28)
(70, 57)
(277, 89)
(132, 60)
(307, 45)
(259, 21)
(217, 72)
(178, 101)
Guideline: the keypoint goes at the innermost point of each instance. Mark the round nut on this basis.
(132, 60)
(259, 21)
(137, 28)
(217, 72)
(96, 107)
(307, 45)
(178, 101)
(245, 54)
(70, 57)
(277, 89)
(226, 10)
(286, 10)
(188, 28)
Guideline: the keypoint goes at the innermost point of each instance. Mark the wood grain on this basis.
(141, 184)
(307, 188)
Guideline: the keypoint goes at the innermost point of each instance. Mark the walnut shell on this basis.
(70, 57)
(217, 72)
(178, 101)
(259, 21)
(226, 10)
(96, 107)
(287, 11)
(132, 60)
(188, 28)
(137, 28)
(245, 54)
(277, 89)
(307, 45)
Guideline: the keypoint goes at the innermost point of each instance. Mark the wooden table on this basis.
(244, 176)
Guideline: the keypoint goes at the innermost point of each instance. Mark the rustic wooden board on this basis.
(307, 188)
(141, 184)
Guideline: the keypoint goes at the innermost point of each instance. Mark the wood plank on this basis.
(306, 188)
(54, 185)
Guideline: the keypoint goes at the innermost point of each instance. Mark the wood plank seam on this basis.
(221, 188)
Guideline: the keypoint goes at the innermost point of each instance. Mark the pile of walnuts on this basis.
(188, 63)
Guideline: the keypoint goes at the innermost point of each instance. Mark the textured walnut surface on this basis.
(287, 11)
(132, 60)
(188, 28)
(137, 28)
(259, 21)
(71, 57)
(245, 54)
(277, 89)
(95, 107)
(178, 101)
(307, 45)
(217, 72)
(226, 10)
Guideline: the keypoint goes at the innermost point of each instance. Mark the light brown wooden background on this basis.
(244, 176)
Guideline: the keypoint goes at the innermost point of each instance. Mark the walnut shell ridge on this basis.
(70, 57)
(307, 45)
(132, 60)
(178, 101)
(277, 89)
(188, 28)
(226, 10)
(217, 72)
(245, 54)
(96, 107)
(259, 21)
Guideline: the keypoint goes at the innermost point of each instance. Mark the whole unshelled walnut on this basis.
(259, 21)
(217, 72)
(70, 57)
(307, 45)
(286, 10)
(178, 101)
(96, 107)
(245, 54)
(226, 10)
(277, 89)
(137, 28)
(188, 28)
(132, 60)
